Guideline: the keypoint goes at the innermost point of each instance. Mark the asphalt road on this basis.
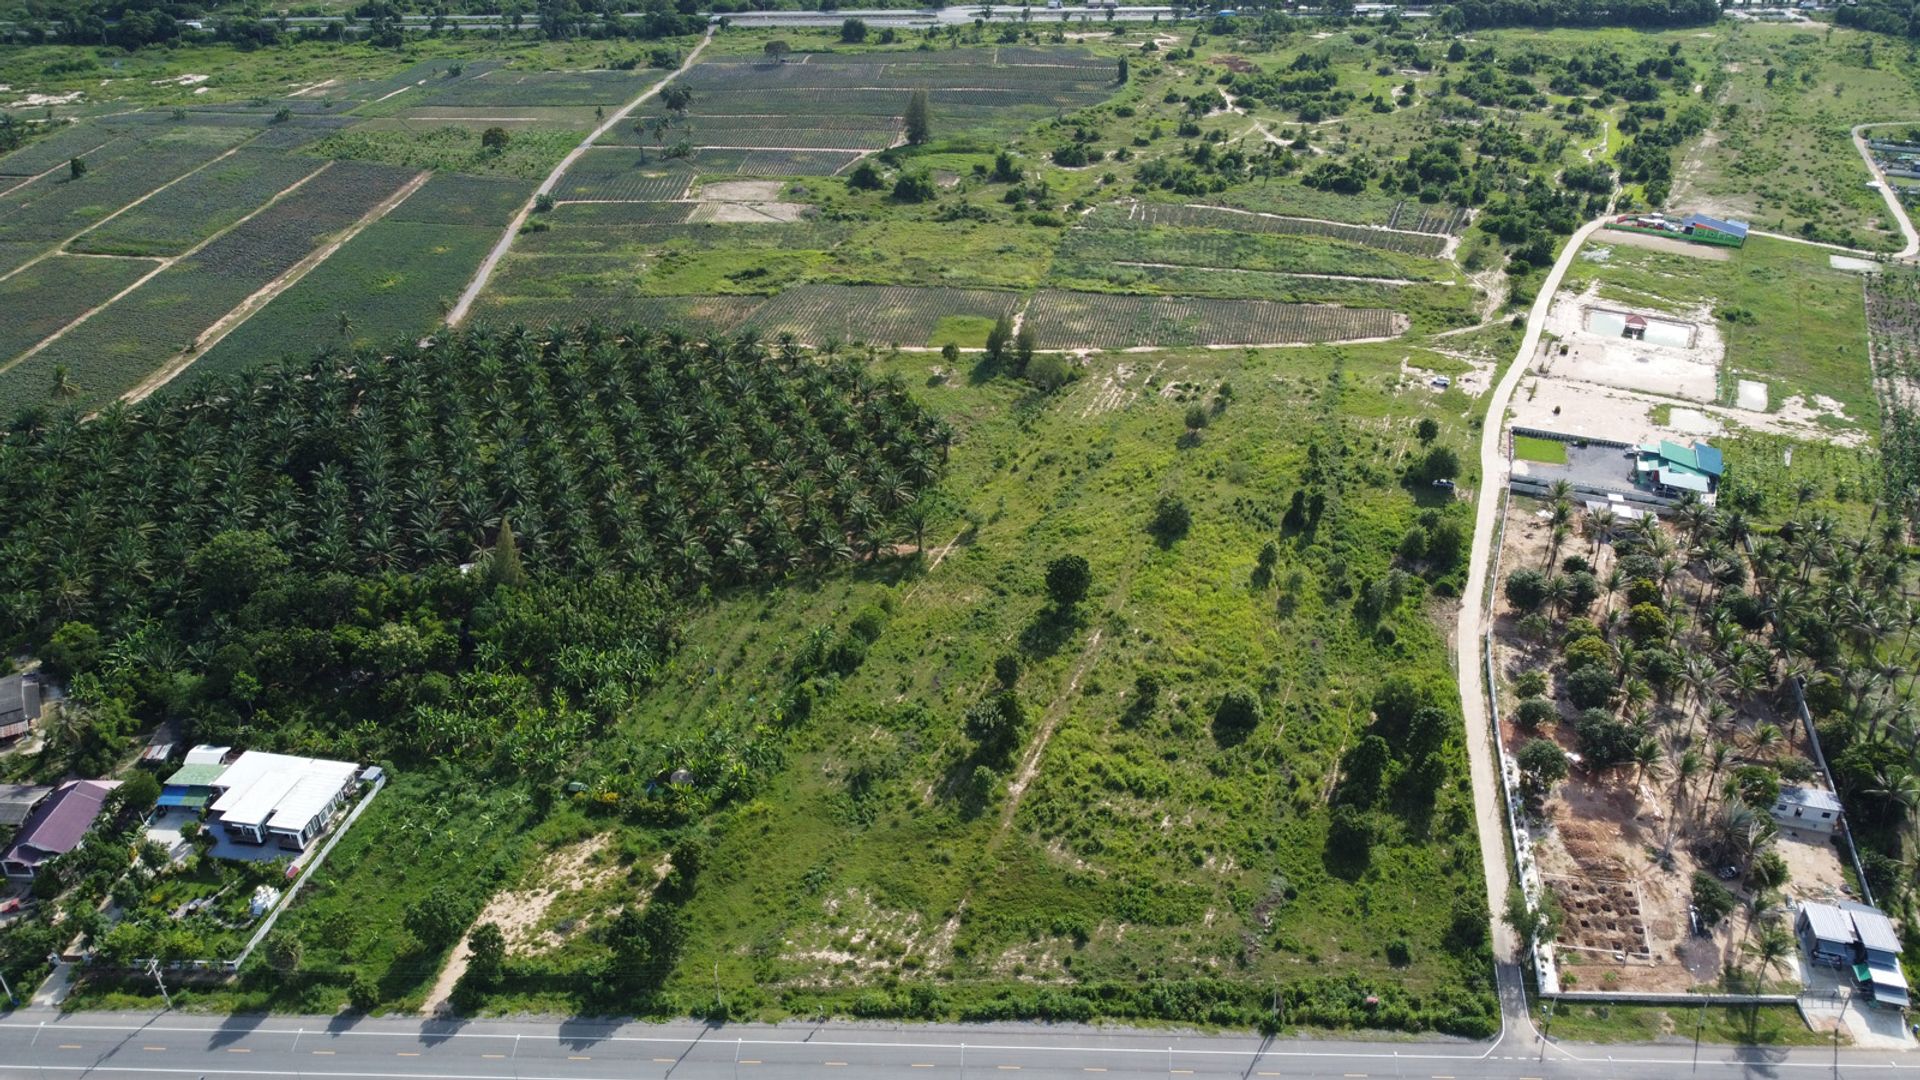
(170, 1045)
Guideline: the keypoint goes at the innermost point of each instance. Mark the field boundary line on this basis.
(1278, 273)
(61, 247)
(165, 264)
(261, 297)
(485, 272)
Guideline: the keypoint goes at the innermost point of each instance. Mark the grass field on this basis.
(1545, 451)
(1780, 153)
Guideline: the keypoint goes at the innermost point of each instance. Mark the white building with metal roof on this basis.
(287, 799)
(1810, 808)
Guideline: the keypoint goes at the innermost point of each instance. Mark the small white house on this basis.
(1807, 808)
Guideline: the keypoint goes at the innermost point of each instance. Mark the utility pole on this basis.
(1546, 1028)
(1699, 1026)
(11, 1000)
(153, 968)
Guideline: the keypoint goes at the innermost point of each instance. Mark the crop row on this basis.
(124, 342)
(396, 278)
(623, 174)
(1074, 320)
(56, 291)
(870, 136)
(1242, 251)
(686, 314)
(198, 206)
(456, 199)
(878, 314)
(1211, 217)
(601, 216)
(416, 83)
(1422, 217)
(74, 140)
(503, 87)
(62, 206)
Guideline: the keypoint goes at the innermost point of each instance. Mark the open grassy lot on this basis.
(1809, 340)
(1779, 152)
(1770, 1025)
(1547, 451)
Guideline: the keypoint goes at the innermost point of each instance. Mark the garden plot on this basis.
(697, 315)
(1621, 842)
(504, 88)
(1073, 320)
(1219, 217)
(173, 220)
(1645, 351)
(54, 292)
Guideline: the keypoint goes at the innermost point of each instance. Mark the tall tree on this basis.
(919, 126)
(503, 565)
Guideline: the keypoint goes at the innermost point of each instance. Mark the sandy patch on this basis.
(1751, 394)
(36, 101)
(519, 912)
(182, 80)
(1606, 412)
(1661, 243)
(312, 88)
(1693, 422)
(747, 212)
(1848, 262)
(741, 191)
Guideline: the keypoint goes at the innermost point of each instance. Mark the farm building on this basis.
(260, 796)
(1859, 937)
(17, 802)
(1698, 228)
(1671, 469)
(1710, 230)
(1814, 809)
(56, 826)
(19, 705)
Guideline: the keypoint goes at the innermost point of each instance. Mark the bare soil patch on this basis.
(1661, 243)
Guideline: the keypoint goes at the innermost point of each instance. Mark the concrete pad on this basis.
(1692, 422)
(1848, 262)
(1752, 395)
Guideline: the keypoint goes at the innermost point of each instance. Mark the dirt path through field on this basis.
(505, 243)
(163, 264)
(1489, 793)
(1894, 207)
(231, 321)
(1030, 764)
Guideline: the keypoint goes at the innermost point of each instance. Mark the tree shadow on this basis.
(1052, 627)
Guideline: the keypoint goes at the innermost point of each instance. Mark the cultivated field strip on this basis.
(1280, 252)
(1146, 215)
(1077, 320)
(875, 314)
(198, 206)
(411, 87)
(572, 215)
(454, 199)
(126, 341)
(696, 315)
(59, 207)
(49, 151)
(610, 175)
(395, 279)
(1420, 217)
(502, 87)
(54, 293)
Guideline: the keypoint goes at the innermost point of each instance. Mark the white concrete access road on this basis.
(1488, 793)
(1898, 211)
(485, 273)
